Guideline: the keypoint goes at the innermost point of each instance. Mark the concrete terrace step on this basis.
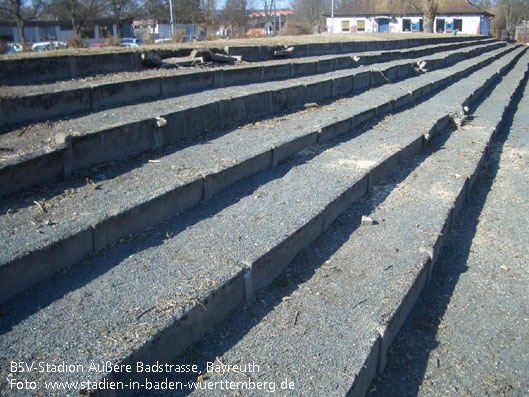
(326, 324)
(49, 151)
(148, 298)
(43, 236)
(75, 97)
(65, 67)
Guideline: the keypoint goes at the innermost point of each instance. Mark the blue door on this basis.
(383, 26)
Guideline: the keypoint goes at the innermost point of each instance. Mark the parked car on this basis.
(163, 41)
(13, 48)
(130, 42)
(48, 45)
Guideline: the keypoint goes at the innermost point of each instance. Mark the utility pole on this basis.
(332, 16)
(171, 12)
(275, 18)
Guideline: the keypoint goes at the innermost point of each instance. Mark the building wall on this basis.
(473, 24)
(371, 24)
(163, 30)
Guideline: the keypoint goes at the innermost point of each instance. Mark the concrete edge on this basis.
(157, 208)
(266, 268)
(388, 332)
(24, 71)
(110, 95)
(93, 148)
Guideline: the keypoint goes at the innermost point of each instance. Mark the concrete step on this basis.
(325, 325)
(49, 101)
(260, 53)
(59, 225)
(149, 297)
(42, 152)
(49, 68)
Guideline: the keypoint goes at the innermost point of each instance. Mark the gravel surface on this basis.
(118, 299)
(66, 208)
(173, 266)
(469, 333)
(37, 136)
(313, 329)
(7, 91)
(41, 135)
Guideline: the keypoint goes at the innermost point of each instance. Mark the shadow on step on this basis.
(76, 276)
(241, 321)
(107, 171)
(110, 170)
(409, 355)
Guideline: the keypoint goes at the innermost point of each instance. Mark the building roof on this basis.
(404, 7)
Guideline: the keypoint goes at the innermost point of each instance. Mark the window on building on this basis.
(345, 26)
(406, 25)
(47, 33)
(361, 26)
(439, 25)
(458, 25)
(87, 32)
(105, 31)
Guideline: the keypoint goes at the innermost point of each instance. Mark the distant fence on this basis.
(522, 33)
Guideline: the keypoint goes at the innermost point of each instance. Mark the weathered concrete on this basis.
(131, 219)
(149, 299)
(67, 102)
(132, 138)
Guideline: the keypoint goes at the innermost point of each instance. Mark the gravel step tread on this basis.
(7, 91)
(467, 334)
(132, 291)
(37, 223)
(322, 323)
(41, 136)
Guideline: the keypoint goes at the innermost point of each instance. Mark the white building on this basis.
(162, 30)
(379, 16)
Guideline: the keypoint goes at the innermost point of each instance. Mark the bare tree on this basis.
(156, 10)
(311, 11)
(187, 11)
(235, 14)
(208, 13)
(268, 8)
(78, 12)
(21, 12)
(429, 9)
(514, 11)
(121, 11)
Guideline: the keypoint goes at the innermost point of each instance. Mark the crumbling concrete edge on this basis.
(70, 249)
(195, 323)
(89, 149)
(50, 105)
(376, 360)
